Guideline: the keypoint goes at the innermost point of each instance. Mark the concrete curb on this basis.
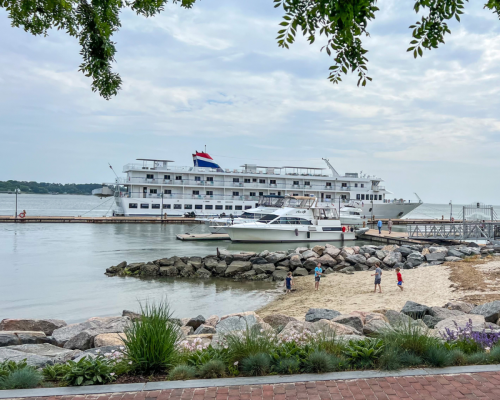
(224, 382)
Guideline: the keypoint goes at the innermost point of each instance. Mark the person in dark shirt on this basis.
(289, 282)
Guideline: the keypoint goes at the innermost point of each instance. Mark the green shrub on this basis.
(9, 366)
(90, 371)
(290, 350)
(438, 356)
(248, 343)
(23, 378)
(339, 363)
(363, 353)
(285, 366)
(468, 346)
(411, 360)
(410, 337)
(182, 373)
(319, 362)
(55, 372)
(390, 359)
(458, 357)
(478, 358)
(495, 355)
(213, 369)
(327, 340)
(200, 357)
(151, 340)
(256, 364)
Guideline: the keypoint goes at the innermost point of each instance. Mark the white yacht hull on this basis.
(284, 234)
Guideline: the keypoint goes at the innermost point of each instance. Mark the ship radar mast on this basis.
(335, 173)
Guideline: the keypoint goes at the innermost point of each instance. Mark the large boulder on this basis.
(279, 274)
(258, 260)
(393, 258)
(309, 254)
(438, 249)
(437, 256)
(196, 321)
(166, 262)
(354, 321)
(327, 260)
(300, 272)
(315, 314)
(11, 338)
(328, 326)
(368, 249)
(210, 263)
(460, 306)
(404, 250)
(455, 253)
(332, 251)
(296, 327)
(318, 250)
(203, 273)
(238, 322)
(380, 254)
(47, 326)
(37, 355)
(196, 262)
(372, 261)
(238, 267)
(278, 321)
(249, 274)
(490, 311)
(356, 259)
(375, 326)
(295, 261)
(310, 264)
(264, 268)
(275, 257)
(109, 339)
(415, 310)
(169, 271)
(461, 321)
(264, 253)
(150, 269)
(204, 329)
(221, 268)
(92, 327)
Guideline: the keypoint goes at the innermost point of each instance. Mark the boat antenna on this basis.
(418, 197)
(112, 170)
(335, 173)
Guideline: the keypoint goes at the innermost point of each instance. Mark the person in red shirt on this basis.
(400, 279)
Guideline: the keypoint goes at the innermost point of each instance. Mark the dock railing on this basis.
(468, 230)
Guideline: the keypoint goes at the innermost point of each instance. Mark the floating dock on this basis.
(203, 236)
(100, 220)
(398, 238)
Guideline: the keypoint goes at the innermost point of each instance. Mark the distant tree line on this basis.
(44, 187)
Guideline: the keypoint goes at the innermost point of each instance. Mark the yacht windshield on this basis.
(271, 201)
(292, 220)
(267, 218)
(248, 215)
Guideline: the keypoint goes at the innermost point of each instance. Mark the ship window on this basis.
(334, 229)
(167, 206)
(177, 206)
(295, 182)
(218, 207)
(238, 208)
(329, 184)
(272, 194)
(236, 193)
(210, 178)
(307, 183)
(328, 196)
(371, 197)
(247, 180)
(196, 192)
(272, 181)
(344, 184)
(198, 207)
(267, 218)
(229, 207)
(261, 193)
(132, 205)
(362, 185)
(167, 177)
(178, 177)
(150, 176)
(167, 191)
(236, 180)
(156, 206)
(210, 192)
(197, 178)
(358, 197)
(209, 207)
(262, 181)
(362, 197)
(188, 206)
(252, 193)
(380, 197)
(248, 207)
(355, 185)
(153, 191)
(292, 221)
(144, 205)
(254, 179)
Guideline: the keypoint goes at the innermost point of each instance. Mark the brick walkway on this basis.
(463, 386)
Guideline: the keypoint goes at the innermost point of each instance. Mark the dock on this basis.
(399, 238)
(203, 236)
(99, 220)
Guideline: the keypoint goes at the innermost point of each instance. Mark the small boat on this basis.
(304, 222)
(350, 215)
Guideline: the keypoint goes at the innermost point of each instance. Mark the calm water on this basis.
(57, 270)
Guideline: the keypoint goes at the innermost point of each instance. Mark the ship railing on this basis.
(139, 195)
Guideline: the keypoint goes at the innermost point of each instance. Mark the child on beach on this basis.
(289, 282)
(378, 278)
(318, 271)
(400, 279)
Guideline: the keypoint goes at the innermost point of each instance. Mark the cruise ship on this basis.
(154, 187)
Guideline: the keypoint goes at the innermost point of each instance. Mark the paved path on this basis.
(484, 385)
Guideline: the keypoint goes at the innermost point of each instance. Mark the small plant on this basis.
(438, 356)
(469, 340)
(285, 366)
(289, 350)
(55, 372)
(458, 357)
(90, 371)
(478, 358)
(411, 360)
(363, 353)
(256, 364)
(213, 369)
(249, 342)
(182, 373)
(151, 340)
(410, 337)
(200, 357)
(390, 359)
(495, 355)
(23, 378)
(319, 362)
(9, 366)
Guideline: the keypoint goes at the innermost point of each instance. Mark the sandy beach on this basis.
(433, 286)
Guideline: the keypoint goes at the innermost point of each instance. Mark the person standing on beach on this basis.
(400, 279)
(379, 226)
(389, 225)
(289, 282)
(317, 276)
(378, 278)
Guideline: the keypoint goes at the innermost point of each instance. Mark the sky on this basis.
(214, 75)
